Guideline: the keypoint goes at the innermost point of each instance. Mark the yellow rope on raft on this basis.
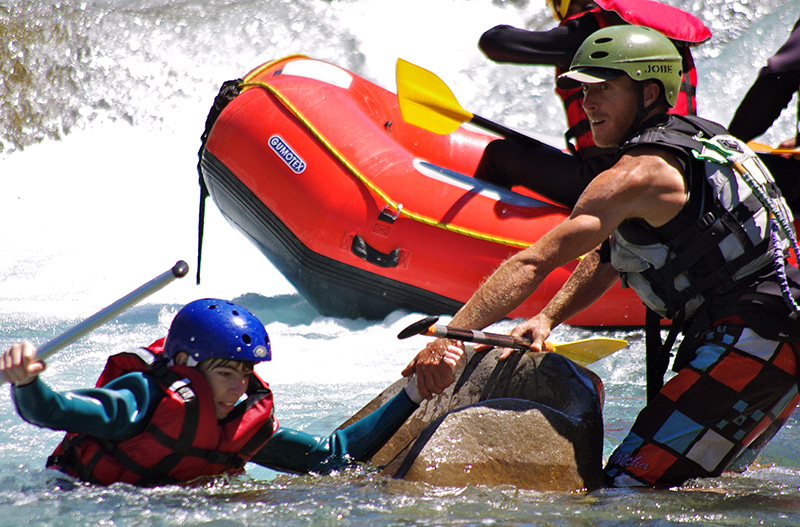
(267, 65)
(357, 173)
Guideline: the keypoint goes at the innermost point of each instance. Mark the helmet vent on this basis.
(597, 55)
(246, 339)
(603, 40)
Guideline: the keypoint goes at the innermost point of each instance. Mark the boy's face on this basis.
(228, 381)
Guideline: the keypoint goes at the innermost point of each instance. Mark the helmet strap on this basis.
(642, 111)
(190, 361)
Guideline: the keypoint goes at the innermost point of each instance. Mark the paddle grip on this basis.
(179, 270)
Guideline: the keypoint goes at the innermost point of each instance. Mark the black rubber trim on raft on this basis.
(332, 287)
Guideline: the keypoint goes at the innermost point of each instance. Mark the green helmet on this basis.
(639, 52)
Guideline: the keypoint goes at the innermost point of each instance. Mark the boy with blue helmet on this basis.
(187, 406)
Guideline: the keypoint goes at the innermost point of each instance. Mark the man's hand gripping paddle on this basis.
(584, 352)
(104, 315)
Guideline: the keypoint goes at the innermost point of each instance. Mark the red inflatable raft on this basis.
(363, 213)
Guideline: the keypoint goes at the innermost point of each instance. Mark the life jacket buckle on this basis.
(707, 220)
(227, 459)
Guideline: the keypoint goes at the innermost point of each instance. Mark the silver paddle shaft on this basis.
(104, 315)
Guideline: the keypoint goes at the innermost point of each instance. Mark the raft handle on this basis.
(363, 250)
(387, 216)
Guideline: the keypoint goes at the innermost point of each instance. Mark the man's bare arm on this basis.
(588, 282)
(647, 185)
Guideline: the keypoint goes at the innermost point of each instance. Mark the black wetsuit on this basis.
(769, 95)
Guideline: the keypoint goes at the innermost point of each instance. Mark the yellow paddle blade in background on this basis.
(762, 148)
(587, 351)
(426, 101)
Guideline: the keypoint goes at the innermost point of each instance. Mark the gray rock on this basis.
(499, 442)
(533, 421)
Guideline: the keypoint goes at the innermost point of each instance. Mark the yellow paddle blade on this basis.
(426, 101)
(762, 148)
(587, 351)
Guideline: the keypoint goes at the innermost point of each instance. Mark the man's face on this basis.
(611, 107)
(228, 381)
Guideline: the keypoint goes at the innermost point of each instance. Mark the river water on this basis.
(101, 107)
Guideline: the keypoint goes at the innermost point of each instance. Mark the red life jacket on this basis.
(183, 439)
(681, 27)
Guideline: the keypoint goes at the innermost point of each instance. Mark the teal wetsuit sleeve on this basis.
(120, 409)
(294, 451)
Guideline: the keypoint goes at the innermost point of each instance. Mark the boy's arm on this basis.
(294, 451)
(121, 409)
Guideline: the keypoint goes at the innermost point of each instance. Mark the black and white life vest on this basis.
(735, 224)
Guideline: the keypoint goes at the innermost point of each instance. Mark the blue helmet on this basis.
(217, 328)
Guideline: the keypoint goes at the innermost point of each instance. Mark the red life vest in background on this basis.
(681, 27)
(183, 439)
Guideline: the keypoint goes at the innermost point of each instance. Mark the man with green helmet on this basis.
(505, 162)
(691, 220)
(609, 56)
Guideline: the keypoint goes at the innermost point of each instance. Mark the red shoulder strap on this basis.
(671, 21)
(157, 346)
(122, 363)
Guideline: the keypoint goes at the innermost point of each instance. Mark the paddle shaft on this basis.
(504, 131)
(104, 315)
(481, 337)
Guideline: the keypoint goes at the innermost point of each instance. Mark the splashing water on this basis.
(102, 104)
